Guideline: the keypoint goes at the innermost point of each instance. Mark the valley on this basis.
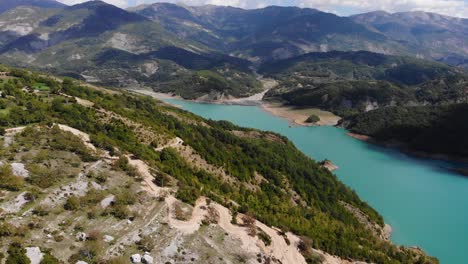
(170, 133)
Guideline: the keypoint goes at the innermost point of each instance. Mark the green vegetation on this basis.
(348, 98)
(316, 212)
(17, 254)
(433, 129)
(49, 259)
(264, 237)
(315, 68)
(313, 119)
(182, 72)
(8, 180)
(41, 87)
(419, 103)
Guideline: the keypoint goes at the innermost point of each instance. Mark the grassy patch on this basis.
(41, 87)
(4, 112)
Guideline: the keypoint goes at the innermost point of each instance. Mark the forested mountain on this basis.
(130, 163)
(408, 102)
(433, 131)
(349, 83)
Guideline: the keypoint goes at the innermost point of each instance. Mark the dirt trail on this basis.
(279, 249)
(174, 143)
(191, 225)
(83, 136)
(249, 244)
(149, 185)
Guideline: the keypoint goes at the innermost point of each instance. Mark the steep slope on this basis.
(126, 164)
(432, 35)
(269, 33)
(105, 44)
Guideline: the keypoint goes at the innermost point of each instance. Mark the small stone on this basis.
(81, 236)
(135, 258)
(81, 262)
(108, 238)
(147, 259)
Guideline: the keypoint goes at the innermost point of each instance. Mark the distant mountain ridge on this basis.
(444, 38)
(194, 51)
(6, 5)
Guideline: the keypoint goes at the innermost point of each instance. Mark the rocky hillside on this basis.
(440, 37)
(102, 176)
(269, 33)
(98, 42)
(6, 5)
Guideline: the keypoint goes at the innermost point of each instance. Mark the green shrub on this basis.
(7, 229)
(49, 259)
(72, 203)
(9, 181)
(120, 211)
(17, 254)
(313, 119)
(264, 237)
(42, 176)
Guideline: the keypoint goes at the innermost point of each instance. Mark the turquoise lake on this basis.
(425, 203)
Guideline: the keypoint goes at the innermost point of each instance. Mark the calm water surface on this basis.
(422, 200)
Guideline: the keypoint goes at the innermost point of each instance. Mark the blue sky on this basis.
(458, 8)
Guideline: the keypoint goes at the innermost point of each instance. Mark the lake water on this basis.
(425, 203)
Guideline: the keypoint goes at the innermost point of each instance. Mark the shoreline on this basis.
(295, 116)
(298, 117)
(404, 149)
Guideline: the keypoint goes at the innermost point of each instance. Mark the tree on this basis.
(313, 119)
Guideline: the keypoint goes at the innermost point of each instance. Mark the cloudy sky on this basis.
(457, 8)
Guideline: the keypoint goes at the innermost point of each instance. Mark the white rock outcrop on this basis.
(147, 259)
(34, 254)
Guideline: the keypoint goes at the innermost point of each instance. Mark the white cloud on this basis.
(458, 8)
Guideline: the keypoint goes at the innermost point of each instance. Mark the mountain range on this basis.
(91, 175)
(210, 49)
